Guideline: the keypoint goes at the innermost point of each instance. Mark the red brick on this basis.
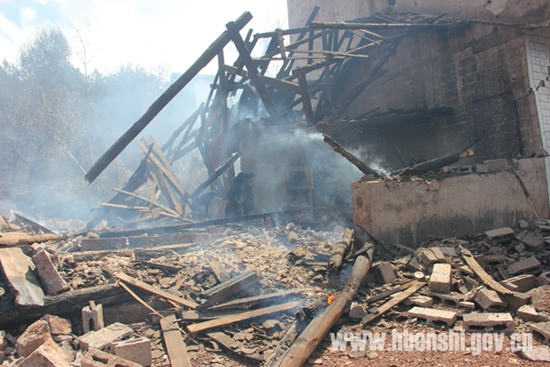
(49, 276)
(137, 350)
(34, 336)
(47, 355)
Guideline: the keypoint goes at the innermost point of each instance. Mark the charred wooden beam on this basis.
(211, 52)
(314, 333)
(21, 238)
(228, 288)
(173, 339)
(244, 53)
(366, 26)
(339, 250)
(215, 176)
(350, 157)
(64, 303)
(281, 83)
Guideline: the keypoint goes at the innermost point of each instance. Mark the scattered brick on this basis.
(529, 265)
(542, 330)
(100, 339)
(516, 300)
(530, 239)
(357, 311)
(97, 358)
(543, 279)
(499, 233)
(385, 272)
(449, 299)
(137, 350)
(432, 315)
(440, 280)
(430, 256)
(58, 326)
(521, 283)
(488, 299)
(422, 301)
(49, 276)
(489, 321)
(34, 336)
(47, 355)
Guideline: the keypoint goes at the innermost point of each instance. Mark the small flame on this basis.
(331, 298)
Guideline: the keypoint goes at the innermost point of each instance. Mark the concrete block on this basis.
(92, 318)
(385, 272)
(448, 251)
(440, 280)
(449, 299)
(499, 233)
(489, 321)
(47, 355)
(422, 301)
(488, 299)
(100, 339)
(530, 265)
(58, 326)
(541, 330)
(521, 283)
(432, 315)
(49, 276)
(543, 279)
(530, 239)
(34, 336)
(97, 358)
(357, 311)
(137, 350)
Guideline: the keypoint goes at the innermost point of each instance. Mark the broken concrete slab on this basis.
(529, 313)
(540, 298)
(529, 265)
(432, 315)
(432, 255)
(489, 321)
(539, 353)
(100, 339)
(422, 301)
(440, 280)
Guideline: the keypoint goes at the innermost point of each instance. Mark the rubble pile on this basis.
(241, 295)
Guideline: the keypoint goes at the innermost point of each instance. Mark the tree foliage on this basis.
(55, 121)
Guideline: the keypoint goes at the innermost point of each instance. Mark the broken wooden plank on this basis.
(253, 301)
(306, 97)
(482, 274)
(173, 340)
(215, 176)
(159, 292)
(18, 271)
(281, 83)
(21, 238)
(314, 333)
(243, 316)
(400, 297)
(26, 222)
(389, 292)
(211, 52)
(219, 271)
(229, 288)
(339, 250)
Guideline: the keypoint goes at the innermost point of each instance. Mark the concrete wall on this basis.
(504, 11)
(410, 212)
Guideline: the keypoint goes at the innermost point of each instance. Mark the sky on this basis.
(164, 35)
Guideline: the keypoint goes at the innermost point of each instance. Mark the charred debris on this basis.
(175, 272)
